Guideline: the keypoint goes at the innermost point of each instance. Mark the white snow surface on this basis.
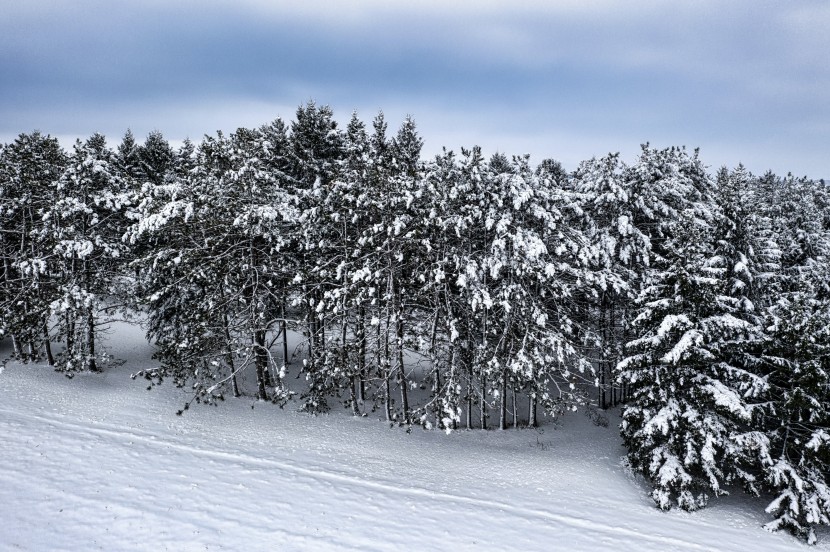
(100, 463)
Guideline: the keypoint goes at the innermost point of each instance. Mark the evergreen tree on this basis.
(82, 226)
(316, 148)
(446, 226)
(619, 267)
(689, 396)
(29, 170)
(155, 159)
(534, 256)
(347, 299)
(127, 158)
(212, 281)
(795, 419)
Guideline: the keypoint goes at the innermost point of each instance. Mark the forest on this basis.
(462, 292)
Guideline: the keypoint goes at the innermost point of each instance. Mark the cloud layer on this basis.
(745, 81)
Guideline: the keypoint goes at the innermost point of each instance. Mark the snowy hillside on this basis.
(100, 463)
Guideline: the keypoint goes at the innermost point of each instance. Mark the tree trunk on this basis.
(436, 377)
(601, 391)
(378, 352)
(503, 401)
(468, 363)
(353, 383)
(26, 342)
(401, 367)
(612, 361)
(436, 374)
(18, 352)
(33, 356)
(261, 359)
(531, 414)
(284, 330)
(47, 344)
(387, 397)
(320, 327)
(361, 356)
(470, 391)
(345, 360)
(454, 406)
(310, 368)
(515, 410)
(624, 389)
(229, 355)
(70, 332)
(387, 366)
(603, 365)
(90, 340)
(483, 404)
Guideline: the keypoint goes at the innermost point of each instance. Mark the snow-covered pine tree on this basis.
(180, 281)
(620, 263)
(214, 277)
(801, 232)
(445, 225)
(142, 168)
(795, 418)
(552, 170)
(185, 158)
(745, 239)
(276, 158)
(458, 220)
(535, 256)
(128, 166)
(402, 232)
(346, 300)
(316, 154)
(369, 278)
(127, 158)
(155, 159)
(83, 227)
(30, 168)
(688, 397)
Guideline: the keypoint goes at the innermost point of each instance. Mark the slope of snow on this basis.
(100, 463)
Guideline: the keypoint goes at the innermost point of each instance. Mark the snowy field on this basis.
(100, 463)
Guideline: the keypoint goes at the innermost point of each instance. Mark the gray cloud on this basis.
(746, 81)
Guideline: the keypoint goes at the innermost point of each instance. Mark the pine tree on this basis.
(795, 419)
(213, 280)
(127, 158)
(446, 227)
(316, 153)
(155, 159)
(619, 266)
(535, 255)
(348, 300)
(689, 395)
(83, 228)
(29, 170)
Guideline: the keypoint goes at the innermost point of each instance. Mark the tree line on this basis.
(459, 292)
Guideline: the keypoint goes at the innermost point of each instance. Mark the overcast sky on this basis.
(746, 81)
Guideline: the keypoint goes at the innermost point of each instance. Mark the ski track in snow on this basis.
(98, 463)
(238, 460)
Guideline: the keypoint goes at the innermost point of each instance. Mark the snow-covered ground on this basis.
(100, 463)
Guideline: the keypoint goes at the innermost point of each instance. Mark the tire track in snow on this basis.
(149, 438)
